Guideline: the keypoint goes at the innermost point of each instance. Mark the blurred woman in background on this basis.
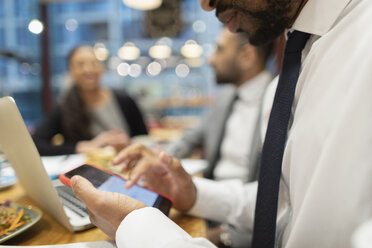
(88, 115)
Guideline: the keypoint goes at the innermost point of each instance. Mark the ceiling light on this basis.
(191, 49)
(182, 70)
(123, 69)
(71, 24)
(199, 26)
(100, 51)
(129, 52)
(160, 51)
(35, 26)
(143, 4)
(153, 69)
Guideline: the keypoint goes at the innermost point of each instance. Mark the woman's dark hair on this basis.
(76, 120)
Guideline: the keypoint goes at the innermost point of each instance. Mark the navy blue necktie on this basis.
(273, 149)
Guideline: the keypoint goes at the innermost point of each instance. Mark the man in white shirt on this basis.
(225, 134)
(325, 188)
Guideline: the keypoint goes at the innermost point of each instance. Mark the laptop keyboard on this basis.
(69, 200)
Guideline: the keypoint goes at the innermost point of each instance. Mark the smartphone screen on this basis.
(111, 183)
(116, 184)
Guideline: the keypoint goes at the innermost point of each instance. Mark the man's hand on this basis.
(106, 209)
(160, 172)
(115, 138)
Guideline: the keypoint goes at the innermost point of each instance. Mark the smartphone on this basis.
(108, 181)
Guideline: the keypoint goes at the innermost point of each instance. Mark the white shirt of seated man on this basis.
(237, 139)
(325, 190)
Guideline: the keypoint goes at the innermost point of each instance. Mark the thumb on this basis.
(83, 189)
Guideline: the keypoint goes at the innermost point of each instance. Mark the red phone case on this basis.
(67, 181)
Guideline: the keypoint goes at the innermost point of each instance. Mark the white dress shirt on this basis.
(325, 188)
(236, 142)
(267, 103)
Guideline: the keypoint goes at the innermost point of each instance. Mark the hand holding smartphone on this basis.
(110, 182)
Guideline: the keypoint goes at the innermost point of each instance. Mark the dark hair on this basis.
(76, 120)
(263, 51)
(74, 50)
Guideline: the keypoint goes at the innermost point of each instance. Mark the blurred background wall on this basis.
(159, 56)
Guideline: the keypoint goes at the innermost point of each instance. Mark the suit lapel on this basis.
(216, 130)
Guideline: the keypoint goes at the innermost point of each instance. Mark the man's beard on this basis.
(269, 26)
(268, 23)
(231, 78)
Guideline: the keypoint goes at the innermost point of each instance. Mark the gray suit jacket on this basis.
(209, 133)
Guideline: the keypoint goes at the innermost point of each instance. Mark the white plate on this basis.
(33, 212)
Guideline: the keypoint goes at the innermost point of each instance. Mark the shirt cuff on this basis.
(149, 227)
(227, 201)
(207, 198)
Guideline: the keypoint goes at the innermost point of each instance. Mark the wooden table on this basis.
(48, 231)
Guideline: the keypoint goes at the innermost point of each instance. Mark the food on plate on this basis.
(11, 218)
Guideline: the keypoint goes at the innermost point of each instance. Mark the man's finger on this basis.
(140, 169)
(129, 153)
(173, 165)
(83, 189)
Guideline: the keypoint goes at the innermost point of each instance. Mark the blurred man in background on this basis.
(229, 134)
(225, 134)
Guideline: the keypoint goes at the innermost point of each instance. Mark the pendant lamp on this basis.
(143, 4)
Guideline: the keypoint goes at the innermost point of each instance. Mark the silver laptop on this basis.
(22, 154)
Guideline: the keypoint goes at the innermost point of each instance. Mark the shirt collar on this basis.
(253, 88)
(318, 16)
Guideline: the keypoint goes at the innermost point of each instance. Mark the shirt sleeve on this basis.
(228, 201)
(191, 140)
(148, 227)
